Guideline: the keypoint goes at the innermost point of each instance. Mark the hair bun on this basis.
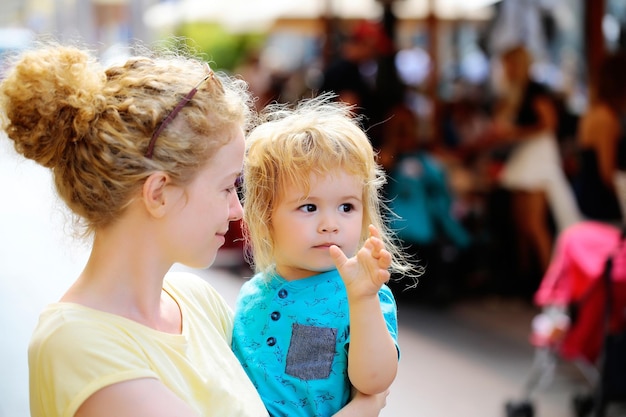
(50, 97)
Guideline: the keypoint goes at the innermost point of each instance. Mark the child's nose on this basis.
(328, 226)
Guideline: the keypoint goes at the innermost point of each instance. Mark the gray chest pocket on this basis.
(311, 352)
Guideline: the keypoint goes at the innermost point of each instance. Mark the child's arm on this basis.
(372, 357)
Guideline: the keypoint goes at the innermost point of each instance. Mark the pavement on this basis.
(465, 360)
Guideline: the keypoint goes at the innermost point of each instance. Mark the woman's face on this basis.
(516, 68)
(209, 204)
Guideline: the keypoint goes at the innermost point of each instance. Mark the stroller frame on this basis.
(611, 385)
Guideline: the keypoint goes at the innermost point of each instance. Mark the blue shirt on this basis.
(292, 339)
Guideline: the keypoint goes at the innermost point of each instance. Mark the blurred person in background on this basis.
(601, 143)
(420, 195)
(526, 120)
(364, 75)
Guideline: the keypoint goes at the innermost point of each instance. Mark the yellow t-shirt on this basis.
(75, 351)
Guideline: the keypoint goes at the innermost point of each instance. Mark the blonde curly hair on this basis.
(91, 126)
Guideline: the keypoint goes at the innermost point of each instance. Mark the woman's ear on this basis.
(154, 194)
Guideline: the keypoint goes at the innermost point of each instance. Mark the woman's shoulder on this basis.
(602, 112)
(67, 320)
(599, 122)
(68, 334)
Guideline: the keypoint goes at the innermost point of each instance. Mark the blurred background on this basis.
(427, 76)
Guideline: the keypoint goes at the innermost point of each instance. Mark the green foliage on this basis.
(214, 44)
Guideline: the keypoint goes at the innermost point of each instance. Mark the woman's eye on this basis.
(346, 208)
(308, 208)
(236, 187)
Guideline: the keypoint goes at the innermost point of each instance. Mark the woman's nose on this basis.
(235, 210)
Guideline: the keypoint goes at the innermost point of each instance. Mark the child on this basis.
(316, 318)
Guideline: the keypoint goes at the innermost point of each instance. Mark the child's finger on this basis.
(377, 244)
(384, 276)
(384, 259)
(374, 246)
(338, 257)
(374, 231)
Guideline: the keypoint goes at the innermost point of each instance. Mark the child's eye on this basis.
(308, 208)
(346, 208)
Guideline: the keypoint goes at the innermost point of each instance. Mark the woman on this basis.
(601, 143)
(527, 120)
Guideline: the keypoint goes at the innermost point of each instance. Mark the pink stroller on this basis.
(583, 319)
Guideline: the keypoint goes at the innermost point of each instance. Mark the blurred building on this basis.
(103, 24)
(443, 45)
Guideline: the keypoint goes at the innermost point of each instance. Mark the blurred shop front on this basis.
(441, 42)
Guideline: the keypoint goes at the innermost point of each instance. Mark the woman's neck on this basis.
(124, 277)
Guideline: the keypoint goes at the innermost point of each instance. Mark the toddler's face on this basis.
(305, 226)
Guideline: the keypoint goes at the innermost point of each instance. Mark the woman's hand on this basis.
(363, 405)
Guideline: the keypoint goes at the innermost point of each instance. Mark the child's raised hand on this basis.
(368, 270)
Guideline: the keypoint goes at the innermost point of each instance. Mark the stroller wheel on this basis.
(583, 404)
(520, 409)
